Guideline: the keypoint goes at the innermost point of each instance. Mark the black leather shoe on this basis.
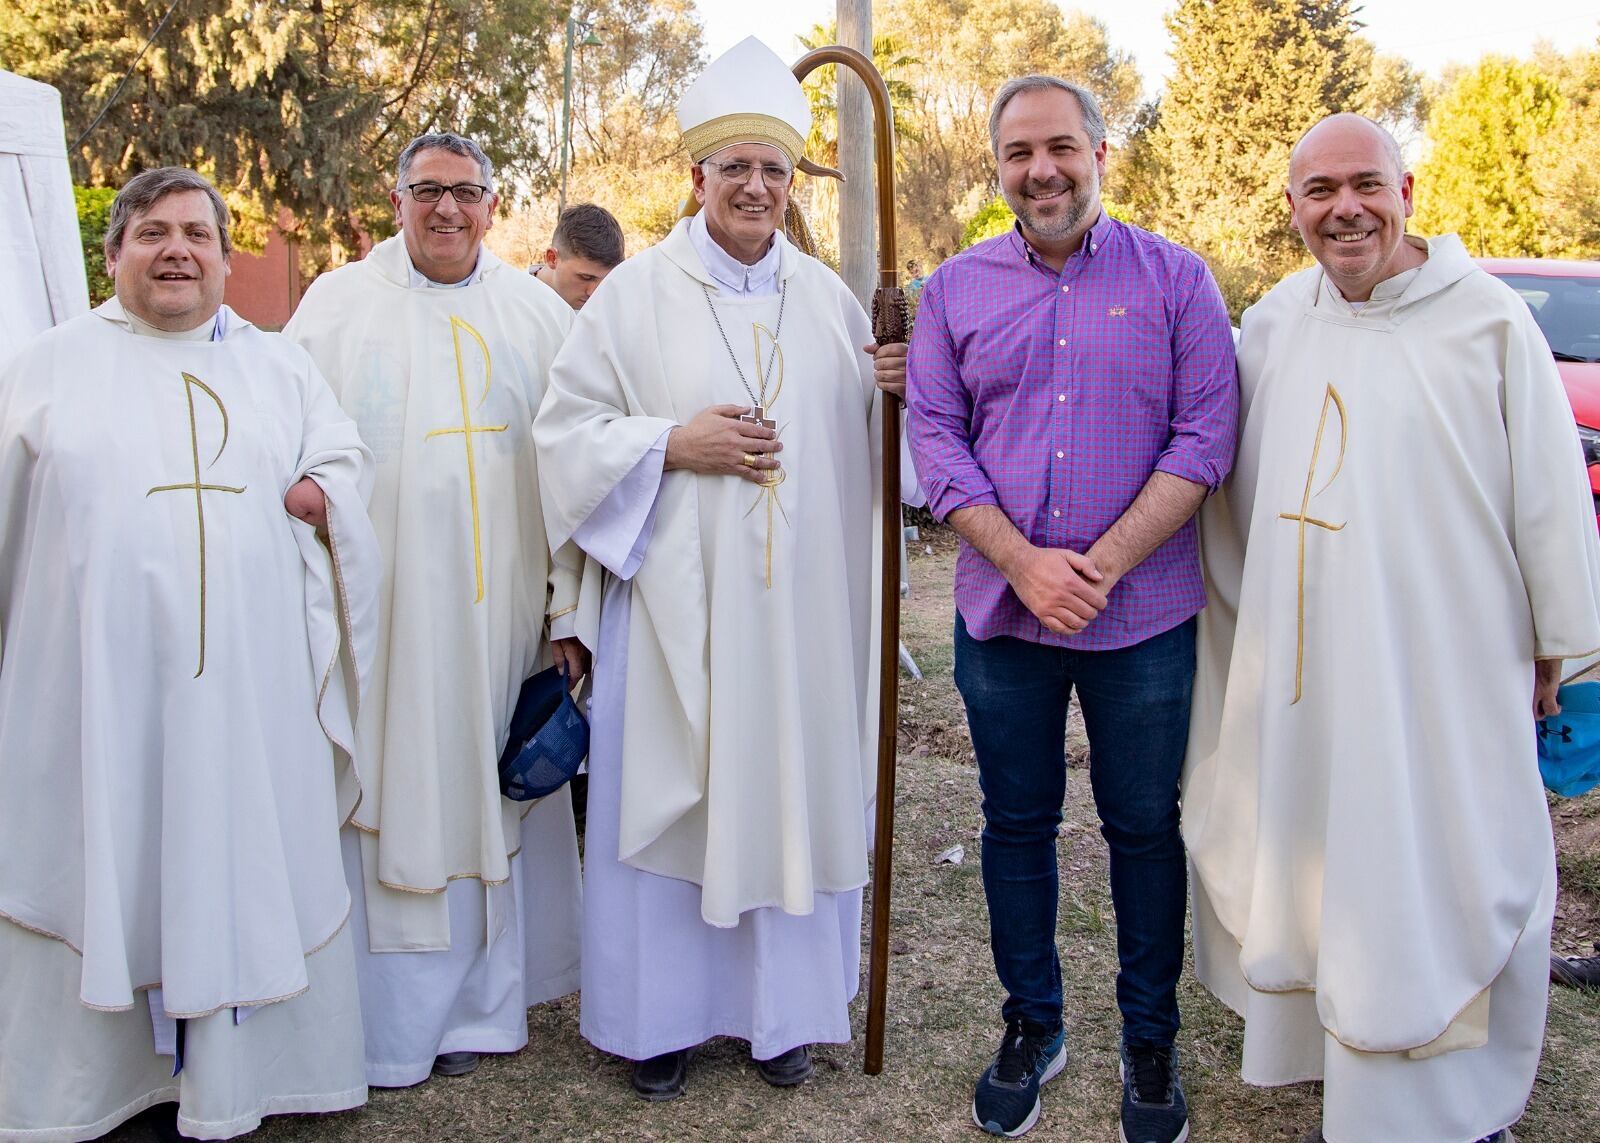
(455, 1064)
(662, 1077)
(791, 1068)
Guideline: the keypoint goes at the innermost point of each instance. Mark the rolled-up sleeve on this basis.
(1205, 387)
(939, 413)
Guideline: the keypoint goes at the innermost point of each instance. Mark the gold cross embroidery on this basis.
(1333, 400)
(190, 384)
(775, 476)
(466, 429)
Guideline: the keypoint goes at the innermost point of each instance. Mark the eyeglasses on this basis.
(465, 193)
(773, 174)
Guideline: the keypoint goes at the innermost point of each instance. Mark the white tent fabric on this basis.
(41, 256)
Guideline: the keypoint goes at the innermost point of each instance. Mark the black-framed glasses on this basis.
(468, 194)
(738, 171)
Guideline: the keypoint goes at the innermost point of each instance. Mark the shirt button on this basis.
(1063, 341)
(1066, 289)
(1060, 454)
(1061, 396)
(1056, 512)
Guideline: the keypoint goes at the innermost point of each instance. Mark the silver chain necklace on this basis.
(758, 407)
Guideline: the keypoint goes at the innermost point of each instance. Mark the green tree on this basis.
(819, 198)
(1249, 77)
(1392, 93)
(94, 212)
(626, 150)
(1478, 177)
(296, 106)
(961, 51)
(1563, 167)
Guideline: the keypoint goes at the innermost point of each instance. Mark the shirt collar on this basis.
(1093, 240)
(726, 270)
(417, 281)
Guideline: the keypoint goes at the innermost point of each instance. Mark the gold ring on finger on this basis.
(748, 460)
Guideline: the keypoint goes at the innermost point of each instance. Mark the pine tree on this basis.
(1483, 137)
(1249, 77)
(289, 105)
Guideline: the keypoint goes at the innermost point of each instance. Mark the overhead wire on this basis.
(171, 8)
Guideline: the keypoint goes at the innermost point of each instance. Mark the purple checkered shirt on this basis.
(1055, 396)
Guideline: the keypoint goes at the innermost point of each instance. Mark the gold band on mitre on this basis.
(705, 139)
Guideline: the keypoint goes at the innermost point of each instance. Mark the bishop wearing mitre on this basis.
(708, 437)
(188, 590)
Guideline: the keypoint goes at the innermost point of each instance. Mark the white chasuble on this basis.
(170, 700)
(749, 704)
(443, 384)
(1406, 529)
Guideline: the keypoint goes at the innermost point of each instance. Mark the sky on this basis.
(1430, 33)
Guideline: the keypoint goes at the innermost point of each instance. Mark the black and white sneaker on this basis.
(1153, 1107)
(1007, 1099)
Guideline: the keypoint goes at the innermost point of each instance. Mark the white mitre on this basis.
(747, 95)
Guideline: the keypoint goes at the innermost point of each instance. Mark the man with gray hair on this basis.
(467, 903)
(1072, 401)
(184, 555)
(1374, 870)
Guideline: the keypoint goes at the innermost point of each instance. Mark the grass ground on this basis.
(943, 999)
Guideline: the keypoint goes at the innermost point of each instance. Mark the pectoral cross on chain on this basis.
(758, 414)
(1330, 400)
(465, 430)
(190, 384)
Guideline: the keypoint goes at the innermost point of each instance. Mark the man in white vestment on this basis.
(468, 903)
(184, 555)
(41, 256)
(1405, 553)
(708, 437)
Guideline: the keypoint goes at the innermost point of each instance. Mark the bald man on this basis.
(1374, 871)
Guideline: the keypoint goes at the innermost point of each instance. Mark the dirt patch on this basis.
(1577, 829)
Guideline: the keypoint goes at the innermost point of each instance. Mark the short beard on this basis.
(1080, 200)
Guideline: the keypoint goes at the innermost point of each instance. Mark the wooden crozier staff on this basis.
(890, 323)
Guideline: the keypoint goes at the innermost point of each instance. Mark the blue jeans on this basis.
(1135, 704)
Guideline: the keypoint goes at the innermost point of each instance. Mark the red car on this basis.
(1565, 300)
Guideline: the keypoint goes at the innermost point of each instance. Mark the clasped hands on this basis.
(1064, 590)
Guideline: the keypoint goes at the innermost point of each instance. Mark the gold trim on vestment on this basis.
(466, 429)
(558, 614)
(313, 951)
(1331, 398)
(190, 384)
(709, 137)
(773, 476)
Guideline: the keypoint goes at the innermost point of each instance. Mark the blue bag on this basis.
(549, 739)
(1569, 742)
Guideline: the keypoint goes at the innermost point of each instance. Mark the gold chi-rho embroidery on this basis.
(465, 429)
(1330, 400)
(775, 476)
(190, 384)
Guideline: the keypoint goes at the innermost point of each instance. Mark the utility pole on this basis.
(590, 40)
(858, 263)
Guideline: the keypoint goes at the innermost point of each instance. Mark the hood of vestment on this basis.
(390, 261)
(678, 248)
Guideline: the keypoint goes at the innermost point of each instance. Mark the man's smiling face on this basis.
(170, 269)
(1349, 200)
(742, 214)
(443, 237)
(1050, 172)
